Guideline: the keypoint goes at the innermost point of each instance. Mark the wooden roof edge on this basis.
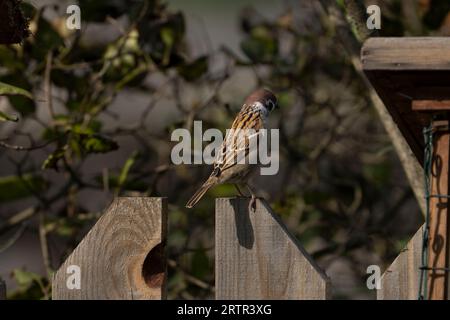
(406, 53)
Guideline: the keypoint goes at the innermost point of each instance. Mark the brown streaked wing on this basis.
(245, 120)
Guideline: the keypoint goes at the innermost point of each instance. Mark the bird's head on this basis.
(265, 97)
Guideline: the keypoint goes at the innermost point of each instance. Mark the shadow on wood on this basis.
(257, 257)
(401, 280)
(122, 256)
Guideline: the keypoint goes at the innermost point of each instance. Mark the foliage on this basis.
(340, 188)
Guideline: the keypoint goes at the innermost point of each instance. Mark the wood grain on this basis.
(257, 257)
(439, 237)
(406, 53)
(401, 280)
(431, 105)
(122, 256)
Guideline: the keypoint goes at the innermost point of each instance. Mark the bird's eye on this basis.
(270, 105)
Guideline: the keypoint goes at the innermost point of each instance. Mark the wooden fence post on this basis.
(122, 256)
(401, 280)
(438, 248)
(257, 257)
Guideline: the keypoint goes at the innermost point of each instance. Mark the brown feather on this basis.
(199, 193)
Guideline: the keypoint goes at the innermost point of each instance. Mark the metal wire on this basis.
(427, 162)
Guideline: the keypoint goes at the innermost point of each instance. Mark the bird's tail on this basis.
(199, 194)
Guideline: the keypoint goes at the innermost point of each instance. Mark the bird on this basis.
(227, 168)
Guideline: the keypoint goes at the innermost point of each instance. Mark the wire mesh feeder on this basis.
(428, 133)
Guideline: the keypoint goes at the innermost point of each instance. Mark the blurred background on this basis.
(98, 105)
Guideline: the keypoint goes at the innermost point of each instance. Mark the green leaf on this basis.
(17, 89)
(124, 57)
(46, 38)
(52, 160)
(15, 187)
(31, 286)
(5, 117)
(377, 173)
(261, 46)
(126, 169)
(168, 38)
(193, 71)
(200, 264)
(9, 59)
(99, 144)
(163, 40)
(135, 74)
(24, 278)
(85, 140)
(10, 90)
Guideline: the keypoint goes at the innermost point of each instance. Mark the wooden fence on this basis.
(401, 280)
(257, 257)
(123, 256)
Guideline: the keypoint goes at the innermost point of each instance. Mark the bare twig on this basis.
(44, 244)
(190, 278)
(22, 148)
(48, 84)
(18, 218)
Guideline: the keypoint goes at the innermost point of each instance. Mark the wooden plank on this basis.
(2, 290)
(122, 256)
(401, 280)
(431, 105)
(257, 257)
(438, 238)
(406, 53)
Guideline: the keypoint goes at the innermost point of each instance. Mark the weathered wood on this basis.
(438, 238)
(406, 53)
(257, 257)
(401, 280)
(431, 105)
(403, 70)
(122, 256)
(2, 290)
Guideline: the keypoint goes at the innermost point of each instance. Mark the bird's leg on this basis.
(252, 203)
(239, 190)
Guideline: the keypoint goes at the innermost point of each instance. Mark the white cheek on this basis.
(258, 106)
